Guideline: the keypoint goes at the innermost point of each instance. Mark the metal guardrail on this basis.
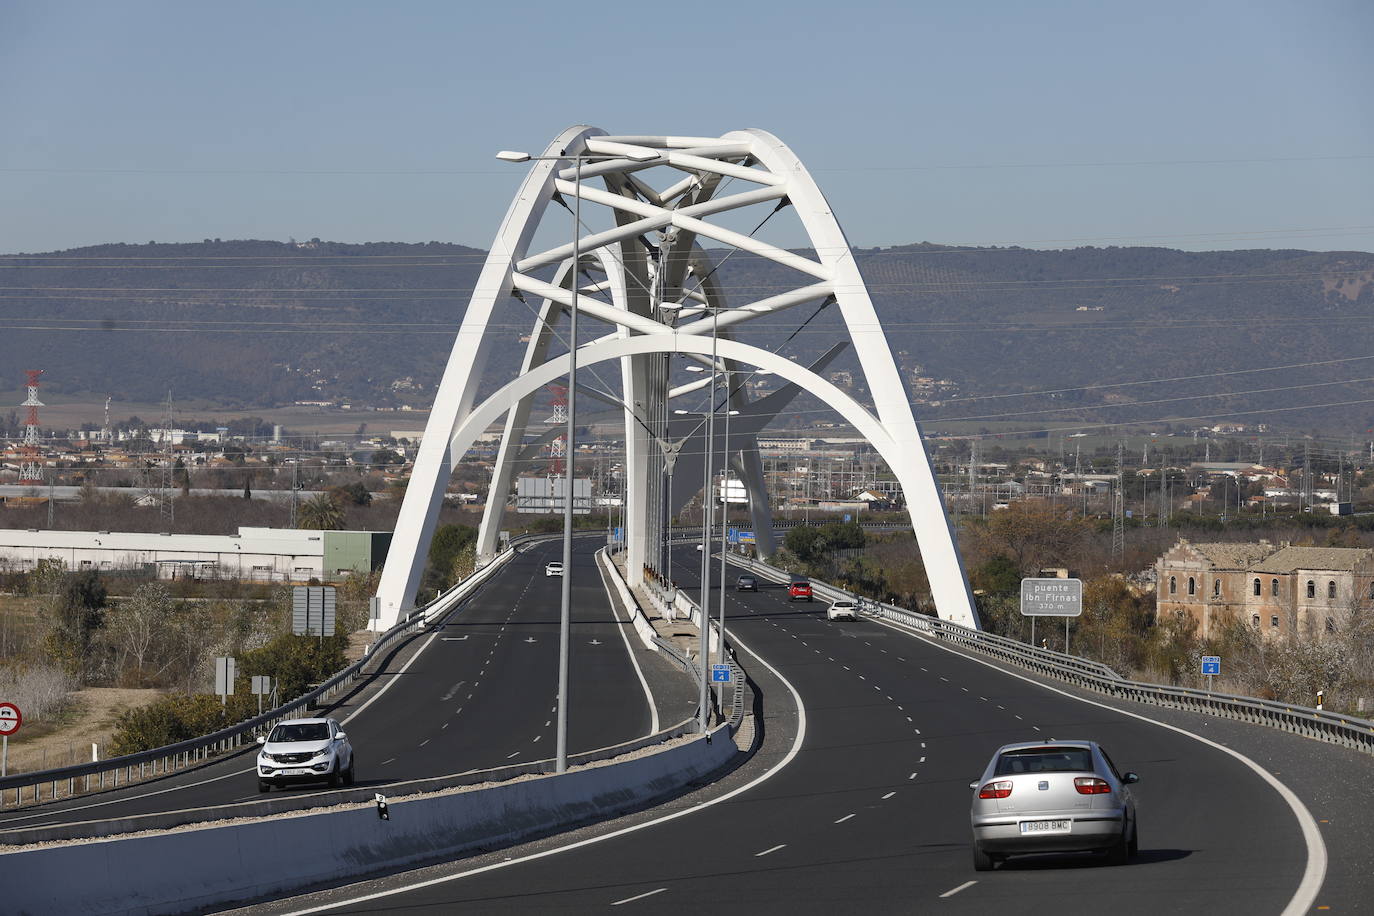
(281, 804)
(1333, 728)
(129, 768)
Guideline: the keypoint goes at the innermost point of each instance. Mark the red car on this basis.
(799, 590)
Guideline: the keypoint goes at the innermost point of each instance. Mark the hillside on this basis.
(260, 323)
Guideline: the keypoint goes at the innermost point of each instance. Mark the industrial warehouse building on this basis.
(254, 554)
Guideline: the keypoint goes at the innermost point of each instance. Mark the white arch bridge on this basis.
(646, 278)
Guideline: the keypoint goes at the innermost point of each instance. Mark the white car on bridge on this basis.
(305, 750)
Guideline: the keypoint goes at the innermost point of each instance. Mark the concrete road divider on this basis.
(207, 866)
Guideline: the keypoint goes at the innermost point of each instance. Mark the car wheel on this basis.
(264, 786)
(1118, 852)
(1133, 847)
(981, 860)
(348, 776)
(334, 776)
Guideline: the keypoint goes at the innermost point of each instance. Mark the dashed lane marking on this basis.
(888, 795)
(845, 818)
(963, 887)
(639, 896)
(773, 849)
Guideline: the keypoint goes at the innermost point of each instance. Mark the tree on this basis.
(447, 546)
(1035, 535)
(321, 512)
(355, 493)
(997, 576)
(78, 612)
(139, 627)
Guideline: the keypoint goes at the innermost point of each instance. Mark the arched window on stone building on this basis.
(1192, 586)
(1331, 590)
(1216, 588)
(1173, 585)
(1274, 588)
(1311, 589)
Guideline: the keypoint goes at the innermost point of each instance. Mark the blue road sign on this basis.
(720, 674)
(619, 533)
(848, 517)
(1211, 664)
(746, 537)
(732, 535)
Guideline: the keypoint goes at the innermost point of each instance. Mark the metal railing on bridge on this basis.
(1334, 728)
(96, 776)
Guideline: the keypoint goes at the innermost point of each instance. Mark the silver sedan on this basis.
(1052, 796)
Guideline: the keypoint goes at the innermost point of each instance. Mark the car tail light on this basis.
(1091, 785)
(999, 789)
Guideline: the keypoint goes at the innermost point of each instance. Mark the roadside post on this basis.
(1052, 598)
(10, 720)
(262, 685)
(1211, 664)
(226, 669)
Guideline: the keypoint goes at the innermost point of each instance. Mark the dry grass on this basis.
(89, 718)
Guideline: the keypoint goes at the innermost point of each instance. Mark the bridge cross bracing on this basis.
(648, 279)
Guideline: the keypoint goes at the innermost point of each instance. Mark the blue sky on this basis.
(1188, 124)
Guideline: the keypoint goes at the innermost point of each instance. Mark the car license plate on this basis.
(1060, 826)
(299, 772)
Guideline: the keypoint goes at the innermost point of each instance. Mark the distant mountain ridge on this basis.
(258, 323)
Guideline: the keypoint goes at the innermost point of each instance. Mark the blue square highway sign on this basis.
(720, 674)
(1211, 664)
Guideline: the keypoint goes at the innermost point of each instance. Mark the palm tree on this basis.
(321, 512)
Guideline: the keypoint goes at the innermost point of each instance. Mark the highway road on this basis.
(476, 693)
(861, 803)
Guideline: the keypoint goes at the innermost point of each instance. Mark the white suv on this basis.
(305, 750)
(842, 610)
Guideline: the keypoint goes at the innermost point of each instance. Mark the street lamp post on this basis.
(565, 616)
(725, 494)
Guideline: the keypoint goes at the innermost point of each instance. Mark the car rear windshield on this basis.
(1045, 760)
(301, 731)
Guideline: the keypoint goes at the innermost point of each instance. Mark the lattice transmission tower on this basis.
(31, 453)
(558, 448)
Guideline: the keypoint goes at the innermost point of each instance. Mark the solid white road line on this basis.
(963, 887)
(1315, 871)
(387, 686)
(629, 650)
(758, 780)
(639, 897)
(770, 849)
(845, 818)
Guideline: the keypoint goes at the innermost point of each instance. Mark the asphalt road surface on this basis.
(477, 693)
(870, 814)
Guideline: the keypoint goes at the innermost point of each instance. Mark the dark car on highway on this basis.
(746, 584)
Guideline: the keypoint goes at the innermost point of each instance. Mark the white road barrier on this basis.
(183, 870)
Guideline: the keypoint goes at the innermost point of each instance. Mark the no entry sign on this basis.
(10, 718)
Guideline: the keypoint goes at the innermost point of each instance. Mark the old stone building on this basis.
(1277, 588)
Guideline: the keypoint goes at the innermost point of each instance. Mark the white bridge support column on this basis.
(661, 301)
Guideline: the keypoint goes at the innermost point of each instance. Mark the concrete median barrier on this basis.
(205, 866)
